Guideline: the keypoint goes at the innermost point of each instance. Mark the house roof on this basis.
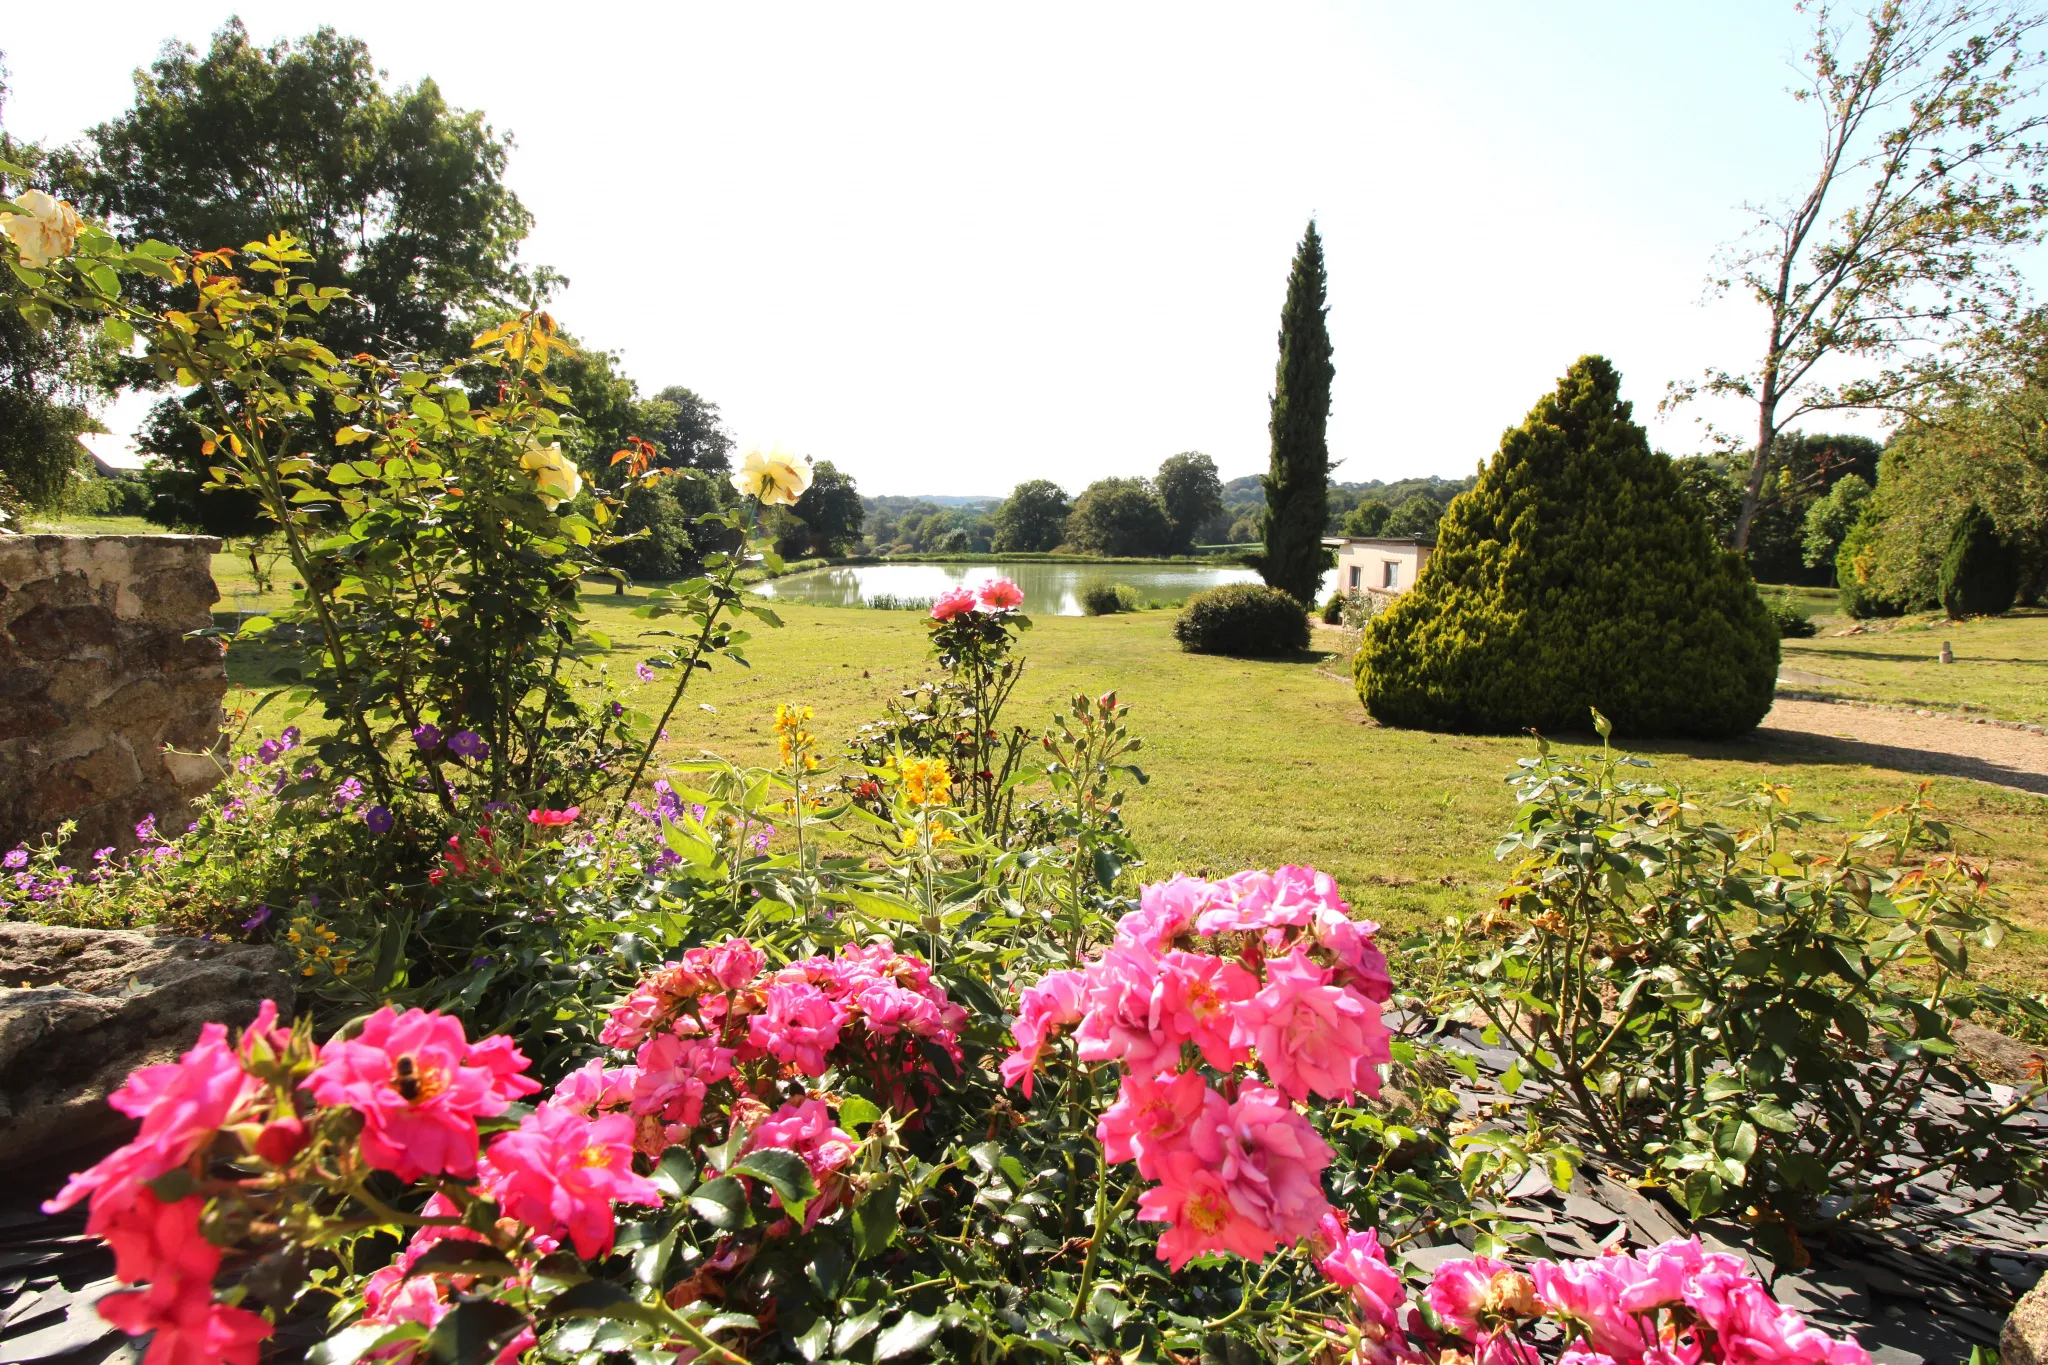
(1426, 542)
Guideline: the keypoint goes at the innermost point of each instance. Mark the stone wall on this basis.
(100, 689)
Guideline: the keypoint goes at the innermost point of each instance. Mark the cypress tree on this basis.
(1575, 574)
(1978, 574)
(1297, 482)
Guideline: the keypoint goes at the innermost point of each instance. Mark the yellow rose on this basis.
(773, 477)
(555, 478)
(45, 232)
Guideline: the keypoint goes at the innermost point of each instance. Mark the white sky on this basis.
(957, 246)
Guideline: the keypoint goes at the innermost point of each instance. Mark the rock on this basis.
(81, 1008)
(1998, 1057)
(2024, 1341)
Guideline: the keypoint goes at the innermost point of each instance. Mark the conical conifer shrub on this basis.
(1575, 575)
(1979, 575)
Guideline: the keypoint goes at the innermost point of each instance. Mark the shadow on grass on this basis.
(1769, 744)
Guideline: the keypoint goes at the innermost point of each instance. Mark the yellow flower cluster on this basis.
(927, 782)
(316, 946)
(794, 739)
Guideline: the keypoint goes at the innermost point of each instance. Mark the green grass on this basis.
(1264, 763)
(2000, 668)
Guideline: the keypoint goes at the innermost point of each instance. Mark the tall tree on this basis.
(1192, 493)
(1297, 482)
(831, 510)
(1900, 250)
(1033, 517)
(688, 430)
(1119, 517)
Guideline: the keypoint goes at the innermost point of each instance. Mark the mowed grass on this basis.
(1255, 764)
(2000, 668)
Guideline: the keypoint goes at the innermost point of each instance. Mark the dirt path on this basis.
(1912, 744)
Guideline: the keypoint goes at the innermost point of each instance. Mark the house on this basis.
(1387, 566)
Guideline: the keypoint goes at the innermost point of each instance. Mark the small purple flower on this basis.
(259, 919)
(164, 853)
(101, 855)
(17, 857)
(379, 820)
(618, 709)
(760, 841)
(347, 794)
(467, 744)
(290, 737)
(495, 807)
(245, 763)
(427, 736)
(481, 960)
(643, 672)
(269, 751)
(145, 829)
(667, 858)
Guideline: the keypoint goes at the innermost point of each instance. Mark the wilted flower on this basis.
(775, 477)
(45, 231)
(555, 476)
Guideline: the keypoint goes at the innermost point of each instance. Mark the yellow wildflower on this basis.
(927, 782)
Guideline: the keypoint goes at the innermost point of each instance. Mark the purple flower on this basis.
(259, 919)
(245, 762)
(17, 857)
(668, 857)
(427, 736)
(618, 709)
(145, 829)
(347, 793)
(760, 841)
(378, 818)
(467, 744)
(164, 853)
(269, 751)
(496, 806)
(643, 672)
(290, 737)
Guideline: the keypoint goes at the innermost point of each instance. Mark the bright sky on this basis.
(957, 246)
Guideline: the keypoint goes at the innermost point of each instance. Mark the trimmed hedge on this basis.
(1247, 619)
(1979, 574)
(1575, 574)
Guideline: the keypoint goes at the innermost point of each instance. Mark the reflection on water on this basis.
(1049, 589)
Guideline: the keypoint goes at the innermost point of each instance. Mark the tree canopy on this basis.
(1192, 494)
(1033, 517)
(1119, 517)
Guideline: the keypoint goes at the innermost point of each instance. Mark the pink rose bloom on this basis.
(806, 1127)
(952, 603)
(560, 1174)
(1577, 1354)
(1270, 1160)
(889, 1009)
(593, 1087)
(1360, 963)
(675, 1074)
(800, 1025)
(1588, 1294)
(1288, 898)
(1000, 594)
(182, 1105)
(1356, 1262)
(1052, 1003)
(420, 1087)
(1313, 1037)
(1193, 1198)
(1460, 1291)
(152, 1240)
(735, 962)
(1166, 910)
(190, 1328)
(1752, 1328)
(1120, 1016)
(1153, 1116)
(1665, 1274)
(1197, 999)
(264, 1030)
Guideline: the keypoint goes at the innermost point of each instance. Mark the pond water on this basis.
(1049, 589)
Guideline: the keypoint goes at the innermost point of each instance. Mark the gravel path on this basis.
(1912, 744)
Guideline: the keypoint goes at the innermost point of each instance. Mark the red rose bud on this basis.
(281, 1140)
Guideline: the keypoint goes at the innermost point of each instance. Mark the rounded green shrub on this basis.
(1333, 610)
(1792, 623)
(1242, 618)
(1979, 574)
(1574, 575)
(1860, 597)
(1107, 599)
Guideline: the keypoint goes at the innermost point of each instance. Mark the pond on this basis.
(1049, 589)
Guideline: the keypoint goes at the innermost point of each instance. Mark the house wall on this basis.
(107, 709)
(1369, 560)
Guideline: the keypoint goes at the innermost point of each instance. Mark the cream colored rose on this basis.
(46, 232)
(773, 477)
(555, 477)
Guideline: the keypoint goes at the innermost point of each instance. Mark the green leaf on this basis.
(118, 333)
(343, 475)
(351, 1344)
(601, 1299)
(675, 1174)
(474, 1332)
(911, 1332)
(782, 1171)
(876, 1218)
(721, 1203)
(857, 1111)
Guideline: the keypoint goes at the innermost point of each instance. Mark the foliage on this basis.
(1107, 599)
(831, 512)
(658, 532)
(1754, 1018)
(1121, 517)
(1574, 574)
(1930, 130)
(1033, 517)
(686, 429)
(1860, 595)
(1244, 619)
(1192, 494)
(1978, 574)
(1417, 517)
(115, 497)
(1792, 623)
(1297, 480)
(1828, 521)
(1367, 519)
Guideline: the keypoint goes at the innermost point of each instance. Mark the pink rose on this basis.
(952, 603)
(593, 1087)
(1313, 1037)
(674, 1076)
(1460, 1291)
(190, 1328)
(999, 594)
(1166, 910)
(1194, 1200)
(1154, 1116)
(1589, 1295)
(800, 1025)
(560, 1173)
(1050, 1004)
(1270, 1159)
(1355, 1261)
(1197, 997)
(420, 1087)
(807, 1128)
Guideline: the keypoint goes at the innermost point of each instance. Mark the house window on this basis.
(1393, 575)
(1357, 575)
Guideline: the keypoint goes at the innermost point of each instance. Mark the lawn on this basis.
(2000, 668)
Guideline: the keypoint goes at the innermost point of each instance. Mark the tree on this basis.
(1119, 517)
(831, 509)
(1369, 518)
(1828, 521)
(1192, 494)
(400, 199)
(1928, 119)
(1575, 574)
(1978, 576)
(688, 430)
(1418, 516)
(1297, 481)
(1033, 517)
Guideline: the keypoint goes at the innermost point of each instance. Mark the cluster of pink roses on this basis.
(1260, 965)
(1676, 1304)
(998, 594)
